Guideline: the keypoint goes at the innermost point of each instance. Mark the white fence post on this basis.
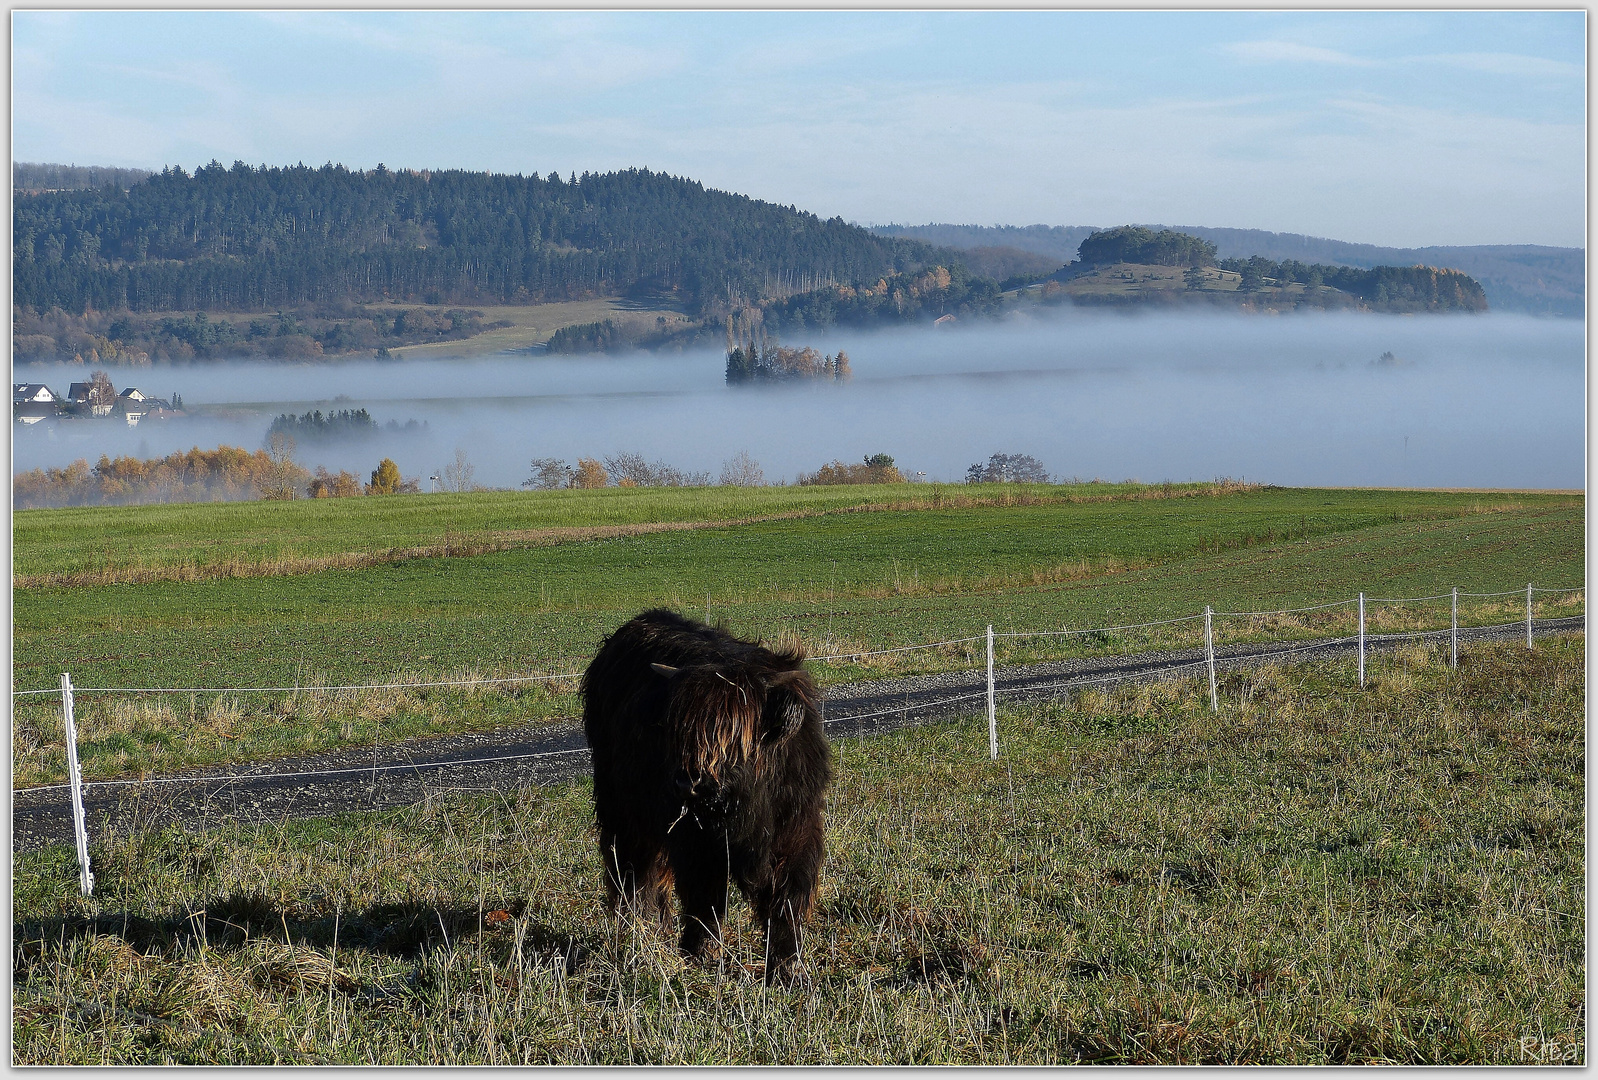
(1209, 655)
(1528, 614)
(75, 778)
(993, 715)
(1453, 632)
(1362, 640)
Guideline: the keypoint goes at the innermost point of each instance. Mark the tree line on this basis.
(226, 474)
(260, 239)
(912, 296)
(230, 473)
(36, 176)
(1135, 244)
(1386, 288)
(1383, 288)
(304, 334)
(633, 470)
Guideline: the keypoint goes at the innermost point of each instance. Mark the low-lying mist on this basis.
(1466, 401)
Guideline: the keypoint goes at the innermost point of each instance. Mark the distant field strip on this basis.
(179, 542)
(88, 539)
(835, 583)
(457, 546)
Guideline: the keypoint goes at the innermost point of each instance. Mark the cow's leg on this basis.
(637, 879)
(699, 863)
(784, 892)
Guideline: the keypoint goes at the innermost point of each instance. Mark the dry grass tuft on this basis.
(206, 989)
(274, 965)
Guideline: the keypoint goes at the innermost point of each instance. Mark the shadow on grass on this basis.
(406, 930)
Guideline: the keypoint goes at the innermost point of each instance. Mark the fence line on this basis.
(302, 689)
(77, 786)
(1066, 684)
(1097, 629)
(908, 707)
(814, 659)
(369, 770)
(1406, 599)
(80, 830)
(885, 652)
(1284, 611)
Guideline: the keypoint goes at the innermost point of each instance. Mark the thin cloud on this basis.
(1513, 64)
(1291, 52)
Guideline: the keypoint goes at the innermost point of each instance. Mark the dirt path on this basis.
(407, 773)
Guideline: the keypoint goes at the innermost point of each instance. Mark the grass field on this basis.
(179, 541)
(838, 579)
(530, 324)
(1132, 279)
(1317, 874)
(533, 324)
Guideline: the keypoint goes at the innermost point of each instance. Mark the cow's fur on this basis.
(710, 763)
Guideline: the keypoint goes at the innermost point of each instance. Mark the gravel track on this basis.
(408, 773)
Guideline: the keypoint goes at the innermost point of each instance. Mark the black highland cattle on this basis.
(710, 763)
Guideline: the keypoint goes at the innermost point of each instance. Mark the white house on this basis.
(131, 403)
(32, 402)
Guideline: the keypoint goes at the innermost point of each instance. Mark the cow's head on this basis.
(722, 718)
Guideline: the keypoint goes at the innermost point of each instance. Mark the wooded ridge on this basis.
(116, 266)
(265, 239)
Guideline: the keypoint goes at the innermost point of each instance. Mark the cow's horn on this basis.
(664, 669)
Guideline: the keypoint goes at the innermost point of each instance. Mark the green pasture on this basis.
(878, 579)
(189, 535)
(207, 534)
(1316, 875)
(838, 583)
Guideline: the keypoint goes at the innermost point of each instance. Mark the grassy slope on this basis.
(1148, 278)
(534, 324)
(883, 578)
(208, 534)
(901, 577)
(1317, 875)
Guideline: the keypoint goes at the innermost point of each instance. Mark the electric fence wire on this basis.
(921, 706)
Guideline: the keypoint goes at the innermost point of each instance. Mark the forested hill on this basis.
(1518, 277)
(261, 239)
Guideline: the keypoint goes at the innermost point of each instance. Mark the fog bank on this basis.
(1467, 401)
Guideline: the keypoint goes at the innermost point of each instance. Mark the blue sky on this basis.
(1402, 128)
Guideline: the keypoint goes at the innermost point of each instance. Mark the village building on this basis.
(82, 395)
(134, 406)
(32, 402)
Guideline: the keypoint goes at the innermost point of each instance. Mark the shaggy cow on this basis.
(710, 762)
